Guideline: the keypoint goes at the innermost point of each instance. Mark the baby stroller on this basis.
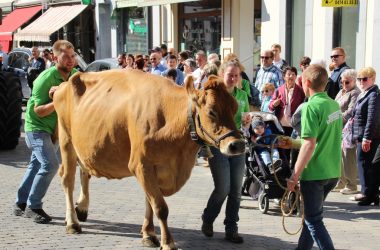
(260, 183)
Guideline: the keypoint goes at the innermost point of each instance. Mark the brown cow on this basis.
(122, 123)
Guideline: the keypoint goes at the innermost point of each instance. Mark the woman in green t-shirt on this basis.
(227, 171)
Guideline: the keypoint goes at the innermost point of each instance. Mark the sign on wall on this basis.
(340, 3)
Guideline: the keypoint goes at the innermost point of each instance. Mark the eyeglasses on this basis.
(345, 82)
(364, 79)
(265, 57)
(335, 56)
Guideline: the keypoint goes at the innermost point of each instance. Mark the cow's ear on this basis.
(191, 91)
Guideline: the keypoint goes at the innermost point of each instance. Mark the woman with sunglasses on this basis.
(346, 98)
(366, 133)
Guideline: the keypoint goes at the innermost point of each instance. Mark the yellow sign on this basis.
(340, 3)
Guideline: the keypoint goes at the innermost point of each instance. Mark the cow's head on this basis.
(214, 110)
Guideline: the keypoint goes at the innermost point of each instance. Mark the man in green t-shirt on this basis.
(318, 163)
(40, 124)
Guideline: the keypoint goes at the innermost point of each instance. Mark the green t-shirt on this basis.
(246, 87)
(40, 96)
(243, 105)
(322, 119)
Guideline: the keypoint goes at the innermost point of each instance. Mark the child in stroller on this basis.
(261, 183)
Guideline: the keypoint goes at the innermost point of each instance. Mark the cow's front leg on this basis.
(148, 179)
(68, 169)
(149, 236)
(84, 197)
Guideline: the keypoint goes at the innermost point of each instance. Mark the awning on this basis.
(142, 3)
(48, 23)
(13, 21)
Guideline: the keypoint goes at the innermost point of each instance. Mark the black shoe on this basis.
(234, 238)
(38, 215)
(369, 201)
(207, 229)
(19, 209)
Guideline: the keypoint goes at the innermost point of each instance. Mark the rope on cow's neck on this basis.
(285, 210)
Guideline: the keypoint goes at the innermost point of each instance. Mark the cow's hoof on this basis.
(73, 229)
(150, 241)
(171, 246)
(82, 215)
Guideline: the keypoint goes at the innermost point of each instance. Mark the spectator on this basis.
(146, 63)
(286, 99)
(201, 60)
(130, 59)
(268, 72)
(172, 63)
(121, 60)
(346, 98)
(304, 63)
(157, 68)
(189, 65)
(182, 56)
(318, 163)
(366, 133)
(164, 51)
(48, 58)
(227, 171)
(40, 124)
(209, 69)
(267, 92)
(172, 51)
(213, 58)
(277, 60)
(338, 61)
(3, 59)
(139, 64)
(232, 56)
(158, 51)
(170, 74)
(37, 65)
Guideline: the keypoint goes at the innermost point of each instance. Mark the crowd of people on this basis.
(344, 103)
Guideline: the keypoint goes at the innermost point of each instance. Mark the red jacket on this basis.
(297, 98)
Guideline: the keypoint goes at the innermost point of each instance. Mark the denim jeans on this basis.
(227, 173)
(314, 193)
(42, 168)
(266, 156)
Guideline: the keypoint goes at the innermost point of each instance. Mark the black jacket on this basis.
(333, 85)
(367, 116)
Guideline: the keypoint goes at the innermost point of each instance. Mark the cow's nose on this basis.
(236, 147)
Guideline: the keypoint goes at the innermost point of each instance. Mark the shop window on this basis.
(200, 26)
(136, 31)
(295, 31)
(345, 28)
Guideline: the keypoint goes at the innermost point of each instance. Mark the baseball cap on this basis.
(257, 122)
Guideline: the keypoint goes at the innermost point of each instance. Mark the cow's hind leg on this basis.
(83, 201)
(148, 179)
(149, 236)
(69, 162)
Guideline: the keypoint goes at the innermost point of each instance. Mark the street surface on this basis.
(117, 212)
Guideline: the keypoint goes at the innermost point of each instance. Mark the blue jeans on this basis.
(227, 173)
(266, 156)
(314, 193)
(42, 168)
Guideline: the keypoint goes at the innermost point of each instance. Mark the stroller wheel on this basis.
(263, 202)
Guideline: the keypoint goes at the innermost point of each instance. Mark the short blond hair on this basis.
(61, 45)
(231, 57)
(367, 72)
(277, 46)
(341, 50)
(317, 75)
(268, 86)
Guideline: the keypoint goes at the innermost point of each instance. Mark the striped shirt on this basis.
(271, 74)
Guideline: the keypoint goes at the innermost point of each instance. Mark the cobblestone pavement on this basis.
(117, 210)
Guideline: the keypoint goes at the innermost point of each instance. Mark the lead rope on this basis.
(286, 199)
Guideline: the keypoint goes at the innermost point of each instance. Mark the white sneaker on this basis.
(348, 191)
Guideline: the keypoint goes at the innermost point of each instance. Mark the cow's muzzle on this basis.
(234, 147)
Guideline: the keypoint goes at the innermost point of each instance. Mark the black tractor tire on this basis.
(10, 111)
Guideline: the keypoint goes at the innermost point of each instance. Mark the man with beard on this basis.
(40, 125)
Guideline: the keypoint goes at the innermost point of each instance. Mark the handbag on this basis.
(347, 134)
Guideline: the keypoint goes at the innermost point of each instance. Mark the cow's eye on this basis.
(212, 114)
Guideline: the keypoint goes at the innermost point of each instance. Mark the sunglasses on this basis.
(265, 91)
(364, 79)
(335, 56)
(345, 82)
(265, 57)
